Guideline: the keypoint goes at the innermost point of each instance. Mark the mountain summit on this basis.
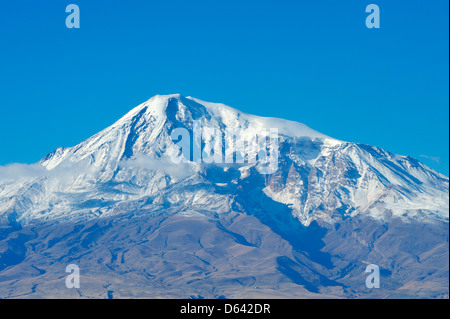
(120, 206)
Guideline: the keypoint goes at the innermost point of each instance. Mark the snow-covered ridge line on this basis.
(318, 177)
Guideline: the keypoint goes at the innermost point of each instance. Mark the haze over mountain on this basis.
(140, 225)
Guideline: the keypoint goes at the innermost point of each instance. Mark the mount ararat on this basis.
(139, 225)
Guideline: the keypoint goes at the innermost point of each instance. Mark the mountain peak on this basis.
(161, 99)
(360, 178)
(117, 202)
(146, 130)
(157, 104)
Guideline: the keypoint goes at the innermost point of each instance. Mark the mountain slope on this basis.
(119, 206)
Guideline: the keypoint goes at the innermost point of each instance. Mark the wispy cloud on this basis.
(65, 174)
(68, 172)
(433, 158)
(181, 170)
(17, 171)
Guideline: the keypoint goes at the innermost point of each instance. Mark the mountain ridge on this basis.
(118, 205)
(145, 131)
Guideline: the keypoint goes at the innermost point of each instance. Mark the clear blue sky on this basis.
(313, 61)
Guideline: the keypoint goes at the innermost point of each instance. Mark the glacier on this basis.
(139, 225)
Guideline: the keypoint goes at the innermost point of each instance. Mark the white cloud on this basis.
(17, 171)
(433, 158)
(181, 170)
(65, 174)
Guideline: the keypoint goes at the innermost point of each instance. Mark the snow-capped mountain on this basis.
(119, 205)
